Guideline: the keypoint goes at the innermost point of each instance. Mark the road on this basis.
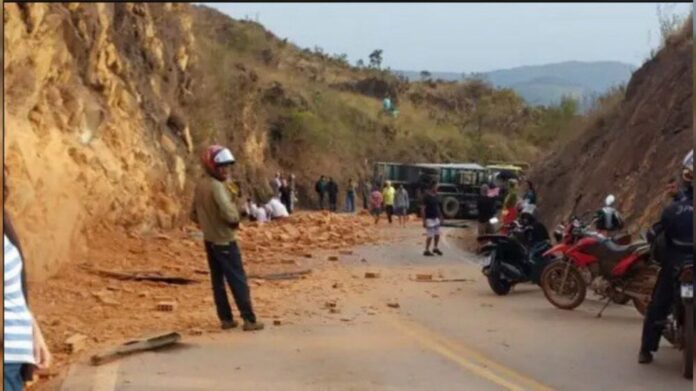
(444, 335)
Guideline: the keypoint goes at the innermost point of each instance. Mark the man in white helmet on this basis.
(216, 214)
(674, 235)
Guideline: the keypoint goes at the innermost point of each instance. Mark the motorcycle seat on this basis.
(621, 250)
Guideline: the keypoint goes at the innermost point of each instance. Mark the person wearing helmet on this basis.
(673, 237)
(218, 218)
(535, 233)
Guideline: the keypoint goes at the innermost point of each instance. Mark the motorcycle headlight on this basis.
(494, 220)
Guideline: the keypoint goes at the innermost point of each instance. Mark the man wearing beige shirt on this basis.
(218, 218)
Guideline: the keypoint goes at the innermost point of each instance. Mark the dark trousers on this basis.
(12, 380)
(658, 309)
(364, 199)
(225, 262)
(333, 201)
(390, 212)
(322, 197)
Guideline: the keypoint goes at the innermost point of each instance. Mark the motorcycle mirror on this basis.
(609, 200)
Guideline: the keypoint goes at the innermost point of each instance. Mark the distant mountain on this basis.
(547, 84)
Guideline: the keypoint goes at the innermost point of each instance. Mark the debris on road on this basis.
(142, 276)
(276, 322)
(371, 275)
(333, 258)
(134, 346)
(281, 276)
(76, 343)
(424, 277)
(346, 252)
(393, 305)
(166, 306)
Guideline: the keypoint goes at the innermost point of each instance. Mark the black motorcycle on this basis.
(511, 260)
(679, 329)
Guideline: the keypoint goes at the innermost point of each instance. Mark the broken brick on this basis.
(371, 275)
(166, 306)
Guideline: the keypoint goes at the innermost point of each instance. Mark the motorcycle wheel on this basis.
(575, 287)
(641, 305)
(688, 348)
(498, 285)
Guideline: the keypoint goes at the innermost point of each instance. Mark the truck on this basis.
(458, 184)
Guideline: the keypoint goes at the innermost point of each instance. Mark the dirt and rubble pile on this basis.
(78, 301)
(631, 151)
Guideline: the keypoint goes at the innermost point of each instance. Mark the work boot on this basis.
(437, 251)
(427, 253)
(229, 324)
(645, 357)
(252, 326)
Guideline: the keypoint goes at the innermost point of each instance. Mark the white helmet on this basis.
(688, 166)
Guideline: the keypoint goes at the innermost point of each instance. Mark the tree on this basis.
(376, 58)
(425, 75)
(360, 63)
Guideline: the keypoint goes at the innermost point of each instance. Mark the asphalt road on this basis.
(444, 336)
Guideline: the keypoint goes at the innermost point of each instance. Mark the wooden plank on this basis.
(134, 346)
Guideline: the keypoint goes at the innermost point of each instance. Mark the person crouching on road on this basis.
(432, 218)
(218, 218)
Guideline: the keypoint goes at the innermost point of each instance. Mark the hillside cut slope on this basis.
(109, 104)
(631, 151)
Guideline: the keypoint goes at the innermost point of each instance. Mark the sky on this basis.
(466, 37)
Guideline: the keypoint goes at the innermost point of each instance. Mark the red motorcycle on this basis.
(586, 257)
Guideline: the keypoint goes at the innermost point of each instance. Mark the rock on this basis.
(307, 255)
(334, 311)
(76, 343)
(333, 258)
(196, 331)
(330, 304)
(424, 277)
(277, 322)
(393, 305)
(144, 294)
(363, 260)
(371, 275)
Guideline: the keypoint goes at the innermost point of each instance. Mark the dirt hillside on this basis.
(109, 104)
(633, 149)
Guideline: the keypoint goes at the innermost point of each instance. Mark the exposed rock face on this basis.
(634, 151)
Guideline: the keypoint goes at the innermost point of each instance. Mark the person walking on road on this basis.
(321, 188)
(332, 188)
(376, 200)
(401, 205)
(389, 194)
(350, 196)
(432, 218)
(218, 218)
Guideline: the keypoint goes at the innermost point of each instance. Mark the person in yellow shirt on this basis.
(388, 194)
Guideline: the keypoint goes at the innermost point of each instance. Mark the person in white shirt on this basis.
(276, 209)
(259, 214)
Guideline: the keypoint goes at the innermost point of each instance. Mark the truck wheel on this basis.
(450, 207)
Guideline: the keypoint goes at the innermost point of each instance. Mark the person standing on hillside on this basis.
(432, 218)
(293, 193)
(218, 218)
(350, 196)
(24, 346)
(376, 200)
(388, 194)
(530, 196)
(321, 187)
(332, 189)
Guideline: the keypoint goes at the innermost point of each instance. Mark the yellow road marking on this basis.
(468, 358)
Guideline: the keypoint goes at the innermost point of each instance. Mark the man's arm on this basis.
(227, 208)
(658, 227)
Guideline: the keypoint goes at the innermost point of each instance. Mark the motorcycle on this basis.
(510, 260)
(679, 328)
(618, 273)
